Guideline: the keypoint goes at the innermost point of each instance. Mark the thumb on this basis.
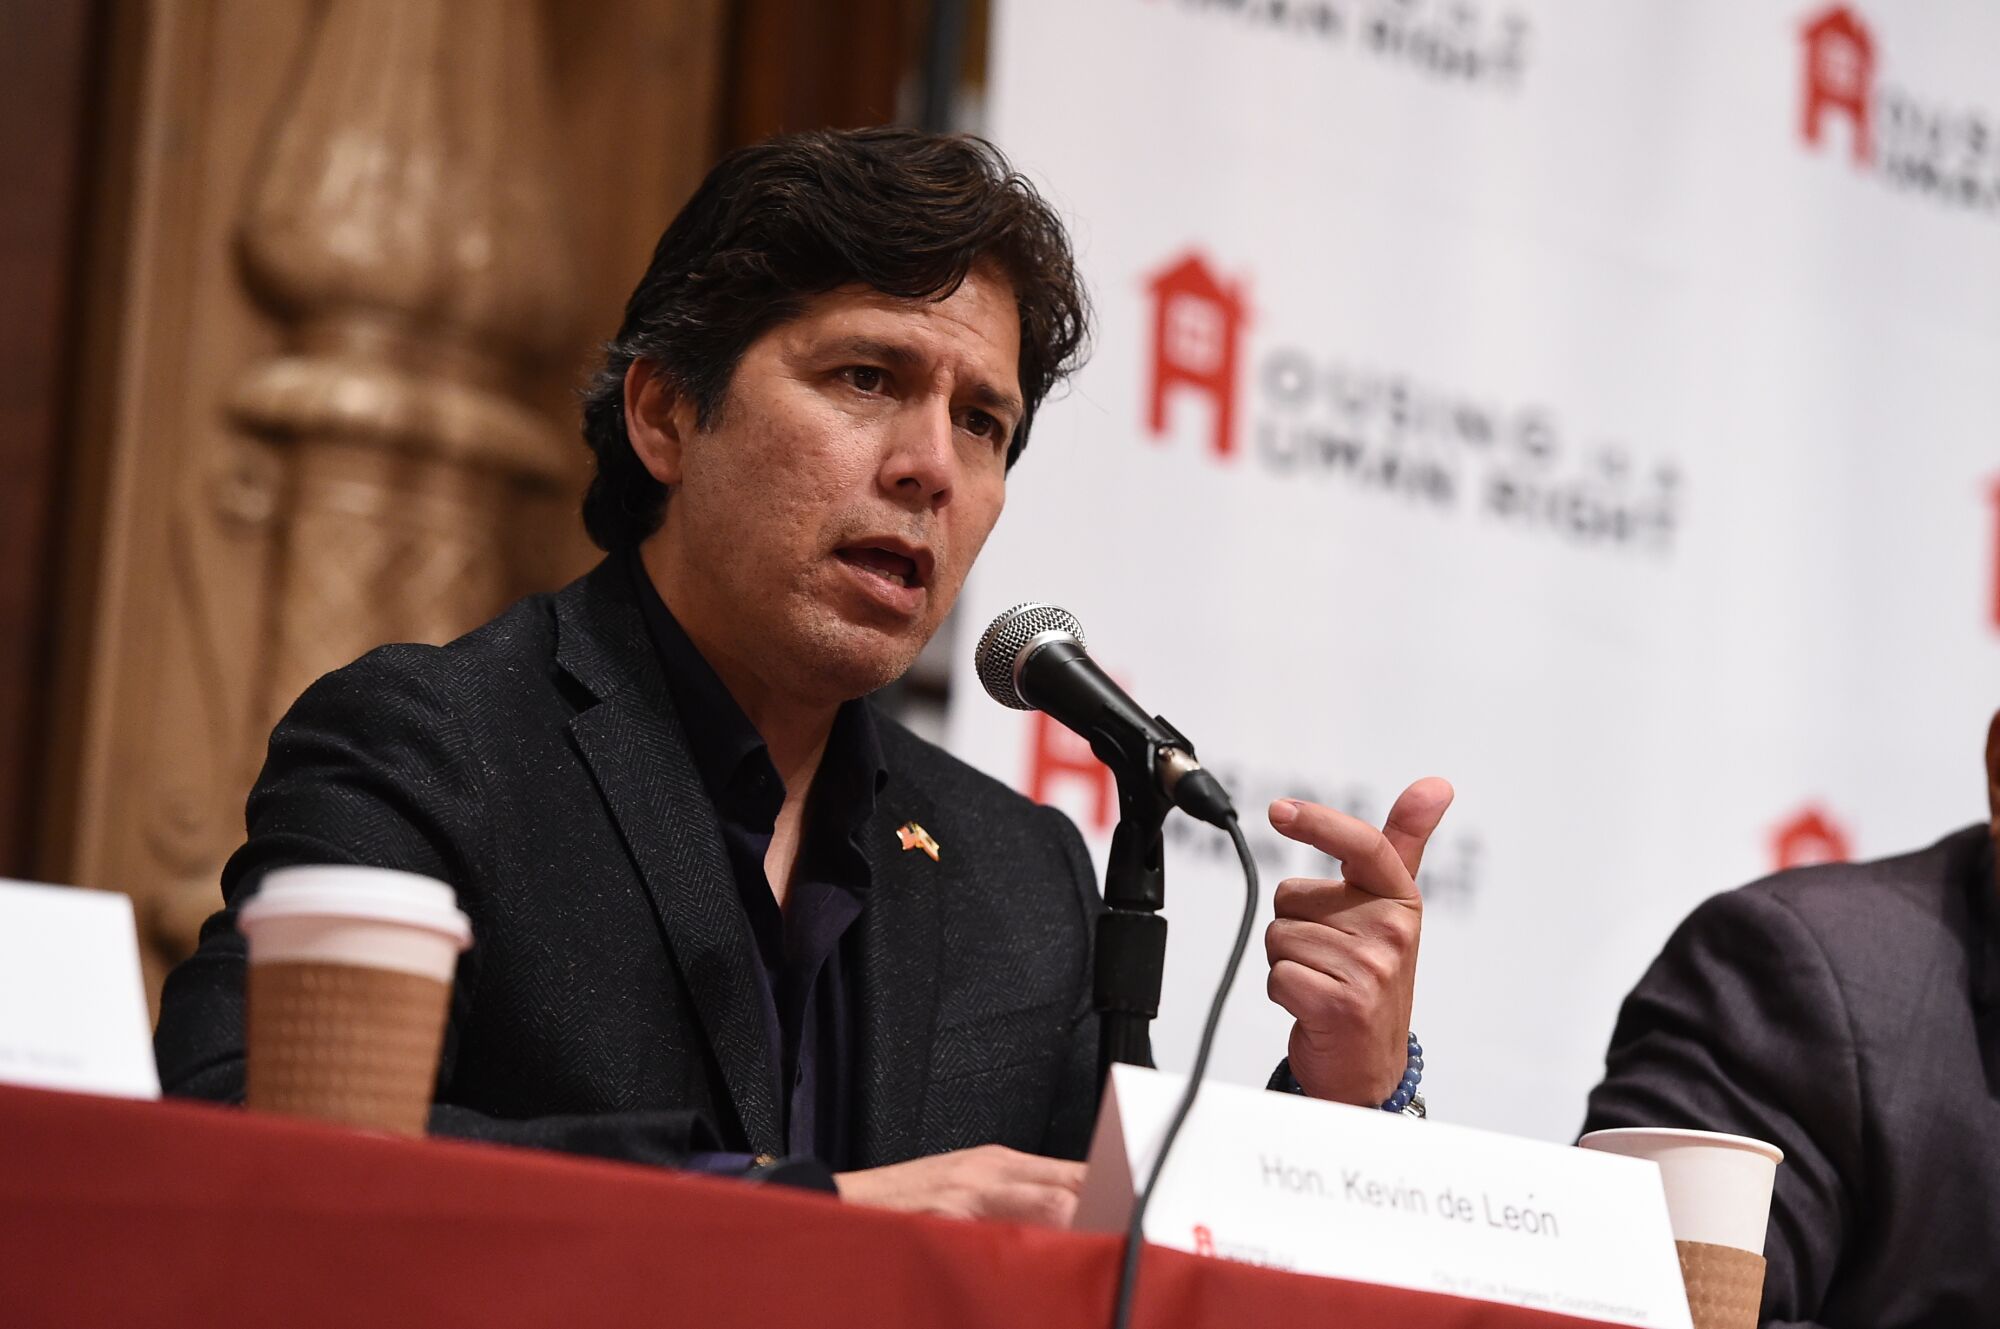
(1414, 817)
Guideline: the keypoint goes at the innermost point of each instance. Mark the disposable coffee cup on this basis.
(349, 980)
(1718, 1190)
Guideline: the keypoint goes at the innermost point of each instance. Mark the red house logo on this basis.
(1809, 837)
(1059, 757)
(1839, 77)
(1197, 329)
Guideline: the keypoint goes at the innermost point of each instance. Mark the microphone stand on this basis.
(1131, 943)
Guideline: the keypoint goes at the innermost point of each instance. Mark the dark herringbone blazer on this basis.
(609, 1005)
(1849, 1014)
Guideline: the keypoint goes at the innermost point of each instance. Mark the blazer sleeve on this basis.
(1740, 1026)
(1074, 1114)
(373, 766)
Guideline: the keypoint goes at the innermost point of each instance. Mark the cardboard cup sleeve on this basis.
(344, 1043)
(349, 982)
(1725, 1285)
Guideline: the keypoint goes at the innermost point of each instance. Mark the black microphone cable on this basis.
(1135, 1234)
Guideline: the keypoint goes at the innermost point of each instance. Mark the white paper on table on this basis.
(72, 996)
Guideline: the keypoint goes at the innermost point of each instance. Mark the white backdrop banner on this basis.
(1593, 404)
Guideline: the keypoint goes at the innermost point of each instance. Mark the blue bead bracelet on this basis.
(1413, 1075)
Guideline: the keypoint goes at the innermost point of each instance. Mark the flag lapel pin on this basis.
(913, 836)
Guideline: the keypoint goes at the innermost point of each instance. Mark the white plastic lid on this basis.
(345, 891)
(1634, 1139)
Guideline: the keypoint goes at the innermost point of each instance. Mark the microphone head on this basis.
(1008, 636)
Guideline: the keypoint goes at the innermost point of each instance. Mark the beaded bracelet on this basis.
(1405, 1100)
(1413, 1075)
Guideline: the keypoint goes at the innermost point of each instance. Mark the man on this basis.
(1849, 1014)
(723, 910)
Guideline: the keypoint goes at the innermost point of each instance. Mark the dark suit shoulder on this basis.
(515, 646)
(397, 759)
(473, 683)
(1882, 925)
(1919, 881)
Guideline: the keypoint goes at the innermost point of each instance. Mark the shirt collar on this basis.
(731, 756)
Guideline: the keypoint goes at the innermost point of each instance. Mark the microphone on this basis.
(1032, 658)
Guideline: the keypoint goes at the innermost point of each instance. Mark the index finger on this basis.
(1372, 863)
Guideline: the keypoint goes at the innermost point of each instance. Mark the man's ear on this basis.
(658, 421)
(1993, 770)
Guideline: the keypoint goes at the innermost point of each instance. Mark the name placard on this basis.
(72, 998)
(1345, 1192)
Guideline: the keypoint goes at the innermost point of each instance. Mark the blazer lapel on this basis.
(900, 946)
(633, 742)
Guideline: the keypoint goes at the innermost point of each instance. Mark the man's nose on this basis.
(922, 455)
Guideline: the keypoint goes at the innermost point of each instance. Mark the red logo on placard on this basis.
(1057, 756)
(1808, 837)
(1204, 1240)
(1909, 140)
(1197, 327)
(1839, 77)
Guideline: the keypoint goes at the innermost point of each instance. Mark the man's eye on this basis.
(982, 425)
(865, 378)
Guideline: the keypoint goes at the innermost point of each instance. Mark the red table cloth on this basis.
(121, 1213)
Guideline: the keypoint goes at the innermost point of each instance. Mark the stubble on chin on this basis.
(834, 659)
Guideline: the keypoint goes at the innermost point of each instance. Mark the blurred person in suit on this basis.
(726, 914)
(1849, 1014)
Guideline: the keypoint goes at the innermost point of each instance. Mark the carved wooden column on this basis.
(322, 281)
(404, 231)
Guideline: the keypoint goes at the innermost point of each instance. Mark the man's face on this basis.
(822, 525)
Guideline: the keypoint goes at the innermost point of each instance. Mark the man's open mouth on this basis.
(884, 563)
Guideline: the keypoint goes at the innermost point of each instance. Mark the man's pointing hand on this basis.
(1344, 953)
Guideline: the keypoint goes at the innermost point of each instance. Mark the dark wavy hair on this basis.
(905, 212)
